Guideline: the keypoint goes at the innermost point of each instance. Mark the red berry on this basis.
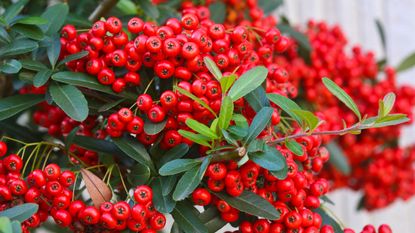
(143, 194)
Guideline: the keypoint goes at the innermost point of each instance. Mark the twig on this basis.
(102, 9)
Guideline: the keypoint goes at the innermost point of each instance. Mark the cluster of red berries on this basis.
(358, 75)
(384, 228)
(50, 188)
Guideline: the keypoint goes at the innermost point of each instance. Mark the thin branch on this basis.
(102, 9)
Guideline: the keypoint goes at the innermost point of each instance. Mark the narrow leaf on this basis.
(328, 219)
(42, 77)
(248, 82)
(12, 105)
(32, 65)
(97, 189)
(286, 105)
(73, 57)
(200, 128)
(295, 147)
(407, 63)
(29, 31)
(226, 82)
(308, 118)
(197, 138)
(53, 50)
(70, 100)
(195, 98)
(260, 121)
(213, 68)
(226, 112)
(31, 20)
(18, 47)
(13, 10)
(178, 166)
(381, 32)
(110, 105)
(187, 184)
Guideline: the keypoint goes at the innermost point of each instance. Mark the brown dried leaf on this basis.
(97, 189)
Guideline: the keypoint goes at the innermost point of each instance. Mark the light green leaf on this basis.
(295, 147)
(5, 225)
(42, 77)
(178, 166)
(386, 105)
(12, 105)
(11, 66)
(389, 120)
(286, 105)
(229, 138)
(260, 121)
(248, 82)
(195, 98)
(407, 63)
(226, 112)
(213, 68)
(342, 96)
(197, 138)
(227, 81)
(308, 118)
(201, 128)
(70, 100)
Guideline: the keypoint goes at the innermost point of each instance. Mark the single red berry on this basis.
(158, 221)
(136, 125)
(121, 210)
(143, 194)
(113, 25)
(52, 171)
(156, 114)
(62, 218)
(90, 215)
(201, 197)
(135, 25)
(144, 102)
(3, 149)
(13, 163)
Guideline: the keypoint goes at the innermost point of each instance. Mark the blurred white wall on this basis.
(357, 18)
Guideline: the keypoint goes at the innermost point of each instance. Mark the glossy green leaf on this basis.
(70, 100)
(328, 219)
(338, 159)
(248, 82)
(197, 138)
(53, 50)
(187, 184)
(176, 152)
(386, 105)
(178, 166)
(32, 65)
(226, 112)
(270, 159)
(20, 212)
(134, 150)
(31, 20)
(42, 77)
(295, 147)
(226, 82)
(260, 121)
(268, 6)
(12, 105)
(56, 16)
(310, 120)
(250, 203)
(149, 9)
(152, 128)
(18, 47)
(201, 128)
(73, 57)
(13, 10)
(286, 105)
(217, 12)
(213, 68)
(11, 66)
(342, 96)
(162, 203)
(257, 99)
(139, 174)
(185, 216)
(195, 98)
(407, 63)
(29, 31)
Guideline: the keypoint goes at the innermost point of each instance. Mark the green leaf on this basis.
(149, 9)
(185, 216)
(97, 145)
(13, 10)
(201, 128)
(42, 77)
(169, 182)
(78, 21)
(295, 147)
(5, 225)
(12, 105)
(260, 121)
(286, 105)
(381, 32)
(328, 219)
(268, 6)
(338, 159)
(226, 112)
(53, 50)
(257, 99)
(238, 132)
(178, 166)
(17, 227)
(33, 65)
(69, 139)
(164, 204)
(197, 138)
(327, 199)
(250, 203)
(187, 184)
(73, 57)
(301, 38)
(176, 152)
(389, 120)
(215, 224)
(70, 100)
(203, 167)
(217, 12)
(18, 47)
(90, 82)
(30, 31)
(56, 16)
(127, 7)
(11, 66)
(386, 105)
(139, 174)
(195, 98)
(227, 81)
(310, 120)
(229, 138)
(110, 105)
(4, 36)
(152, 128)
(281, 174)
(240, 120)
(21, 212)
(342, 96)
(407, 63)
(134, 150)
(248, 82)
(213, 68)
(256, 145)
(270, 159)
(31, 20)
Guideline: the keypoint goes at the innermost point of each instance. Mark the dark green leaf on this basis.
(203, 167)
(149, 9)
(97, 145)
(169, 182)
(342, 96)
(310, 120)
(281, 174)
(197, 138)
(164, 204)
(21, 212)
(250, 203)
(226, 112)
(78, 21)
(248, 82)
(407, 63)
(295, 147)
(84, 80)
(56, 16)
(301, 38)
(257, 99)
(256, 145)
(201, 128)
(217, 12)
(338, 159)
(11, 66)
(33, 65)
(70, 100)
(30, 31)
(73, 57)
(185, 217)
(327, 219)
(13, 10)
(286, 105)
(152, 128)
(71, 136)
(12, 105)
(381, 32)
(227, 81)
(4, 36)
(215, 224)
(238, 132)
(268, 6)
(53, 50)
(260, 121)
(178, 166)
(110, 105)
(31, 20)
(176, 152)
(134, 150)
(195, 98)
(18, 47)
(270, 159)
(327, 199)
(139, 174)
(187, 184)
(42, 77)
(213, 68)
